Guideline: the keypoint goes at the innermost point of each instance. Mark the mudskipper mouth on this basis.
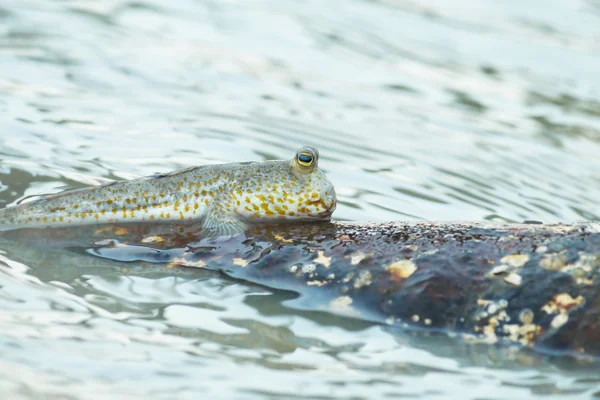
(324, 215)
(327, 210)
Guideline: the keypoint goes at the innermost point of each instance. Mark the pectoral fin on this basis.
(221, 220)
(216, 225)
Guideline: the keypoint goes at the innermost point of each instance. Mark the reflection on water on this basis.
(421, 110)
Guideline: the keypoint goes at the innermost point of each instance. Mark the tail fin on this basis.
(7, 219)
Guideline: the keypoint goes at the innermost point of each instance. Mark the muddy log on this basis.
(530, 284)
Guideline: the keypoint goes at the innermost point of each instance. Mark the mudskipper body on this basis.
(224, 197)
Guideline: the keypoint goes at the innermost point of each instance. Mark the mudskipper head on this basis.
(296, 189)
(315, 193)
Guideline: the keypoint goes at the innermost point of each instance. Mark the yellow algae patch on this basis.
(584, 264)
(584, 281)
(554, 261)
(153, 239)
(402, 269)
(494, 316)
(483, 302)
(507, 266)
(182, 262)
(321, 259)
(364, 279)
(513, 279)
(562, 302)
(525, 334)
(358, 257)
(282, 239)
(515, 260)
(560, 305)
(104, 229)
(240, 261)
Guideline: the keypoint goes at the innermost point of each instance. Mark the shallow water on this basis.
(421, 110)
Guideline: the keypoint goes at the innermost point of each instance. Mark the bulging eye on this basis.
(305, 159)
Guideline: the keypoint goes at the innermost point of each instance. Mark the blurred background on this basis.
(422, 110)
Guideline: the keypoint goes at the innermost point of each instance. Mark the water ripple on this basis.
(421, 110)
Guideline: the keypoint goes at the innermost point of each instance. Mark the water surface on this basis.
(422, 110)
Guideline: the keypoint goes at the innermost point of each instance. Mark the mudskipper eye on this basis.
(305, 159)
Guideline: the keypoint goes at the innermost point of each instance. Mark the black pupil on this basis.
(305, 158)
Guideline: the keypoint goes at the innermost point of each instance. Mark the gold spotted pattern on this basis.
(226, 197)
